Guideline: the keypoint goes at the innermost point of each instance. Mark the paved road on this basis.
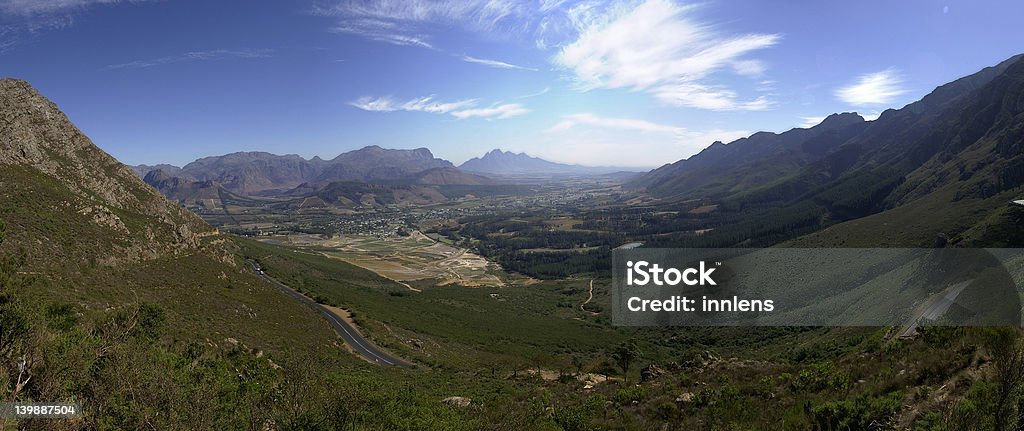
(935, 307)
(349, 334)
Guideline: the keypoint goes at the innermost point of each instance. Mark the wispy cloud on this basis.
(500, 112)
(422, 104)
(25, 18)
(715, 98)
(808, 122)
(372, 32)
(751, 68)
(8, 37)
(459, 109)
(403, 22)
(658, 47)
(873, 89)
(539, 93)
(572, 120)
(215, 54)
(43, 7)
(495, 63)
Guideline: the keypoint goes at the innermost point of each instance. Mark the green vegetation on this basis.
(110, 300)
(802, 378)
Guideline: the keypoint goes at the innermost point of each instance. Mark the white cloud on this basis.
(547, 5)
(570, 121)
(495, 63)
(404, 22)
(872, 116)
(460, 109)
(194, 56)
(42, 7)
(812, 121)
(873, 89)
(500, 112)
(536, 94)
(485, 13)
(427, 104)
(713, 98)
(421, 104)
(8, 37)
(659, 48)
(752, 68)
(376, 104)
(30, 17)
(400, 39)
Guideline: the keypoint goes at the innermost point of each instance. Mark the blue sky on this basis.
(606, 82)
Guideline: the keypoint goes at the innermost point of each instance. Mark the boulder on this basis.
(457, 401)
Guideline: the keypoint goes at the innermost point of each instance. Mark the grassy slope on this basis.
(456, 326)
(204, 297)
(153, 343)
(792, 376)
(915, 224)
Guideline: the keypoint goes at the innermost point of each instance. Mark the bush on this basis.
(571, 418)
(862, 413)
(820, 377)
(630, 395)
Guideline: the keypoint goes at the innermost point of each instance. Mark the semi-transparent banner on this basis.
(818, 287)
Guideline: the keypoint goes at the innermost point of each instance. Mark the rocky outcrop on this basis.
(40, 147)
(457, 401)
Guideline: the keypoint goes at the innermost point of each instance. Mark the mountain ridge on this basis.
(52, 168)
(508, 163)
(262, 173)
(940, 167)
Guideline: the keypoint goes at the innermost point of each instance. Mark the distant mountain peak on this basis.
(500, 162)
(497, 152)
(841, 119)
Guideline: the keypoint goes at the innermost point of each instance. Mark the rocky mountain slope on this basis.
(375, 164)
(53, 178)
(116, 298)
(937, 167)
(259, 173)
(252, 172)
(450, 176)
(753, 161)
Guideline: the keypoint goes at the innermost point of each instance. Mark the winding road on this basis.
(356, 341)
(934, 307)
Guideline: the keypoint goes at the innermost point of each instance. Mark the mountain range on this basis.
(255, 173)
(264, 174)
(943, 166)
(114, 296)
(403, 175)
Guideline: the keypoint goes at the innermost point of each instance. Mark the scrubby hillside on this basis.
(115, 298)
(936, 171)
